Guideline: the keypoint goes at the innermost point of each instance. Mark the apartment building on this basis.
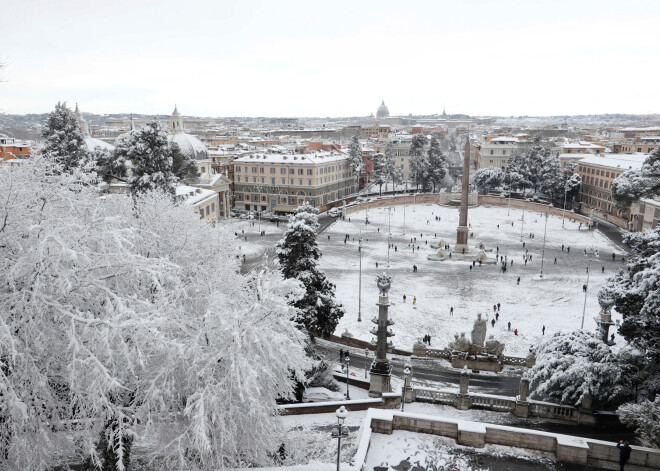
(597, 173)
(282, 182)
(497, 150)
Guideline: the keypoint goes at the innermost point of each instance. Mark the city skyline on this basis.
(294, 59)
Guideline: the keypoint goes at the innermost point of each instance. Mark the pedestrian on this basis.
(404, 298)
(414, 300)
(497, 316)
(515, 332)
(543, 330)
(498, 307)
(509, 325)
(492, 323)
(518, 281)
(624, 453)
(451, 311)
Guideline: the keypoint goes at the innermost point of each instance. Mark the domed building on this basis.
(92, 143)
(196, 151)
(383, 111)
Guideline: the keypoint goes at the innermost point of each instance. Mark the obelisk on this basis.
(462, 229)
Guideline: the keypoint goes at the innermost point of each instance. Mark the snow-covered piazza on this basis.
(313, 236)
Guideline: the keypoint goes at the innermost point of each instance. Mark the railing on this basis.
(437, 397)
(492, 403)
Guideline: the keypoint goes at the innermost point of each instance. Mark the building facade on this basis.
(281, 182)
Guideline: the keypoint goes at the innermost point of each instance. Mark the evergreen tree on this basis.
(380, 169)
(392, 171)
(151, 159)
(635, 184)
(298, 253)
(437, 162)
(183, 167)
(488, 178)
(356, 160)
(571, 365)
(419, 163)
(65, 144)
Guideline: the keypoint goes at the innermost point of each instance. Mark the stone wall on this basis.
(530, 206)
(566, 448)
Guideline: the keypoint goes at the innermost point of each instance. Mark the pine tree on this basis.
(635, 184)
(183, 167)
(392, 171)
(380, 169)
(65, 144)
(298, 254)
(419, 163)
(571, 365)
(488, 178)
(356, 160)
(151, 159)
(437, 163)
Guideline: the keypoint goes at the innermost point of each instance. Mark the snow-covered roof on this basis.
(94, 143)
(621, 161)
(312, 158)
(194, 195)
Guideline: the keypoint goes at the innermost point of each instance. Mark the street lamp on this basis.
(360, 282)
(347, 362)
(406, 380)
(340, 431)
(366, 361)
(544, 232)
(586, 288)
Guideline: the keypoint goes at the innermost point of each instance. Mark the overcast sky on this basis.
(331, 58)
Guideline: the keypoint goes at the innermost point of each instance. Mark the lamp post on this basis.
(406, 379)
(543, 251)
(340, 431)
(347, 362)
(366, 361)
(360, 282)
(584, 308)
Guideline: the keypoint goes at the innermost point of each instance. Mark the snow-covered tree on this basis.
(298, 254)
(635, 184)
(645, 419)
(380, 171)
(183, 167)
(64, 142)
(132, 310)
(356, 160)
(392, 170)
(150, 156)
(419, 162)
(437, 162)
(488, 178)
(571, 365)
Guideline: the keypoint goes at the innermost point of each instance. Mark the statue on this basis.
(384, 283)
(479, 331)
(494, 347)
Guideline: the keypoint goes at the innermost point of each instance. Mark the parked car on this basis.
(321, 395)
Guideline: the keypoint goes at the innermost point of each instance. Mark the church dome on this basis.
(191, 147)
(383, 111)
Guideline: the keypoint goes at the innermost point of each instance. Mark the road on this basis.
(429, 370)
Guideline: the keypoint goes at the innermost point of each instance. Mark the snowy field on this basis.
(556, 300)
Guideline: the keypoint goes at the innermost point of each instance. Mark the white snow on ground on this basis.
(556, 300)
